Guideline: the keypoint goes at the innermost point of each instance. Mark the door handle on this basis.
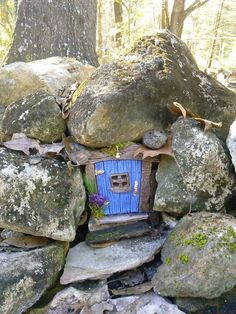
(135, 187)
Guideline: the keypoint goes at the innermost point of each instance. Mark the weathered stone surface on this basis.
(149, 303)
(117, 233)
(131, 95)
(37, 115)
(154, 139)
(3, 137)
(200, 179)
(171, 194)
(198, 257)
(84, 262)
(25, 276)
(73, 298)
(40, 199)
(231, 142)
(20, 79)
(225, 304)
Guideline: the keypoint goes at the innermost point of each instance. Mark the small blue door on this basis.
(119, 181)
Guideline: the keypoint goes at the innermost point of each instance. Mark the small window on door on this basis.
(120, 182)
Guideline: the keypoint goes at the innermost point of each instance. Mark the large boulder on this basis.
(85, 262)
(198, 257)
(231, 142)
(40, 199)
(199, 177)
(20, 79)
(26, 275)
(37, 115)
(129, 96)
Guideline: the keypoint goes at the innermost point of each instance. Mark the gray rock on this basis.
(26, 275)
(171, 195)
(200, 177)
(198, 257)
(84, 262)
(40, 199)
(131, 95)
(225, 304)
(231, 142)
(37, 115)
(73, 298)
(20, 79)
(154, 139)
(148, 303)
(3, 136)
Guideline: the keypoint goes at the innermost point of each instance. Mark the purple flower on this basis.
(97, 199)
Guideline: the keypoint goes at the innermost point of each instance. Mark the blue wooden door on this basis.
(119, 181)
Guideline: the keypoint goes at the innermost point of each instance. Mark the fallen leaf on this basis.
(180, 110)
(83, 218)
(21, 142)
(76, 153)
(164, 150)
(26, 241)
(51, 150)
(66, 99)
(208, 124)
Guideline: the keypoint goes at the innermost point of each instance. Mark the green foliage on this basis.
(90, 186)
(97, 211)
(168, 261)
(7, 23)
(184, 259)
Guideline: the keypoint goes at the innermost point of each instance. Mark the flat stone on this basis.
(117, 233)
(148, 303)
(84, 262)
(73, 298)
(26, 275)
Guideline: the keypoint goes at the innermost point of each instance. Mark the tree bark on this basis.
(118, 21)
(177, 17)
(46, 28)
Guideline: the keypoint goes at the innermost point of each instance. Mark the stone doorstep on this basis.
(118, 233)
(115, 220)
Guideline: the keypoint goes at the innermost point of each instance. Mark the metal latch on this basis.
(99, 171)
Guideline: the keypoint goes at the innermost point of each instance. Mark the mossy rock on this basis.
(131, 95)
(198, 257)
(37, 115)
(42, 199)
(26, 275)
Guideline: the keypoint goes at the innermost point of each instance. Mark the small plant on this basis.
(168, 261)
(184, 259)
(96, 201)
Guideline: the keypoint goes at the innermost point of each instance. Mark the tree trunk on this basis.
(177, 18)
(165, 15)
(118, 20)
(99, 27)
(216, 28)
(46, 28)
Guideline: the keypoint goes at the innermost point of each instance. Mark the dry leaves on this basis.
(77, 154)
(66, 98)
(32, 147)
(180, 110)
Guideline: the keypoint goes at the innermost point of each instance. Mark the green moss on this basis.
(231, 232)
(97, 211)
(198, 240)
(168, 261)
(114, 149)
(184, 259)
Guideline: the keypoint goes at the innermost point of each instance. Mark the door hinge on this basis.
(99, 171)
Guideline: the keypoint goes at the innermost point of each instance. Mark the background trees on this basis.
(207, 26)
